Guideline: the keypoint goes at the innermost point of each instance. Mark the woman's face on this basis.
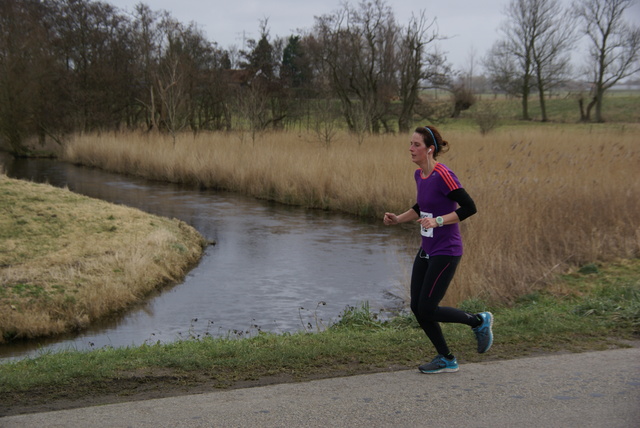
(419, 151)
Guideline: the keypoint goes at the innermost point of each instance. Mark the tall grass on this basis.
(549, 197)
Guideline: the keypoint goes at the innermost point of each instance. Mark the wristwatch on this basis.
(439, 221)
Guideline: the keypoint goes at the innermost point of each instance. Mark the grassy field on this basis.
(549, 196)
(67, 260)
(619, 107)
(594, 308)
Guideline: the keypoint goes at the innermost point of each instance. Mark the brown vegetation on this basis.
(548, 197)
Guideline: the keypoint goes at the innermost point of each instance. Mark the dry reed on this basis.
(549, 198)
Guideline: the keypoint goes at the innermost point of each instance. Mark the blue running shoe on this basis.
(440, 365)
(483, 332)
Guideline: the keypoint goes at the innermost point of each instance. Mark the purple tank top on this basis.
(433, 202)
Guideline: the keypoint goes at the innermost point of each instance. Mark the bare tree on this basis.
(553, 36)
(503, 69)
(330, 60)
(324, 123)
(147, 38)
(355, 52)
(533, 54)
(413, 67)
(614, 51)
(519, 31)
(252, 102)
(171, 92)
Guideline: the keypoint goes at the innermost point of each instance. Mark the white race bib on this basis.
(426, 232)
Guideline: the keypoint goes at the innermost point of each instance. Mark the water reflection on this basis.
(269, 262)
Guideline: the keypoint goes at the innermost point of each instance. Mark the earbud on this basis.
(429, 151)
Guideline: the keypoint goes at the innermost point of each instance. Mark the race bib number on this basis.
(426, 232)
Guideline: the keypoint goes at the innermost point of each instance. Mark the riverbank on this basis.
(67, 260)
(594, 308)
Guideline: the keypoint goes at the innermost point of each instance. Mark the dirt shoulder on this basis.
(146, 387)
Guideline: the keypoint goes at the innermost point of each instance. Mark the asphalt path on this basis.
(593, 389)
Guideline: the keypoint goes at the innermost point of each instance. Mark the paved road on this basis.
(595, 389)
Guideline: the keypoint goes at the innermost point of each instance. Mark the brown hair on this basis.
(432, 137)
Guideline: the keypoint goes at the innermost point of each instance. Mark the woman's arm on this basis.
(409, 215)
(467, 206)
(466, 209)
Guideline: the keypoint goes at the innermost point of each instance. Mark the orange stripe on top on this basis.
(446, 176)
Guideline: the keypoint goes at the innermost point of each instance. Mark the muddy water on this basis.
(274, 268)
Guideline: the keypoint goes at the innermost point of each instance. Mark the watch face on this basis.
(439, 220)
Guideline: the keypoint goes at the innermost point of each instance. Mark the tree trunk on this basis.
(583, 114)
(589, 107)
(525, 99)
(408, 103)
(525, 107)
(543, 105)
(598, 104)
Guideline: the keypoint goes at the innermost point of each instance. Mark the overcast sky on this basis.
(471, 25)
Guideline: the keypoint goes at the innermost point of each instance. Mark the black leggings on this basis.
(429, 282)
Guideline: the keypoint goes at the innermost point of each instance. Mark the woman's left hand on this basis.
(427, 222)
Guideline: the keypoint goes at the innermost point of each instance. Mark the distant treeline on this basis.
(80, 65)
(84, 66)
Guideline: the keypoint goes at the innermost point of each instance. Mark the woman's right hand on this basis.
(389, 219)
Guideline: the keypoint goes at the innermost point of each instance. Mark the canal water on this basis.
(274, 268)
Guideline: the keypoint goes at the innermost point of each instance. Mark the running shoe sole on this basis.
(442, 370)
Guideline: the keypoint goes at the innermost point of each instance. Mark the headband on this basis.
(434, 138)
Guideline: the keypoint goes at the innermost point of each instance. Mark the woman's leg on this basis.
(429, 282)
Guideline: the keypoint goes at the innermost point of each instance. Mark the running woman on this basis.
(442, 203)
